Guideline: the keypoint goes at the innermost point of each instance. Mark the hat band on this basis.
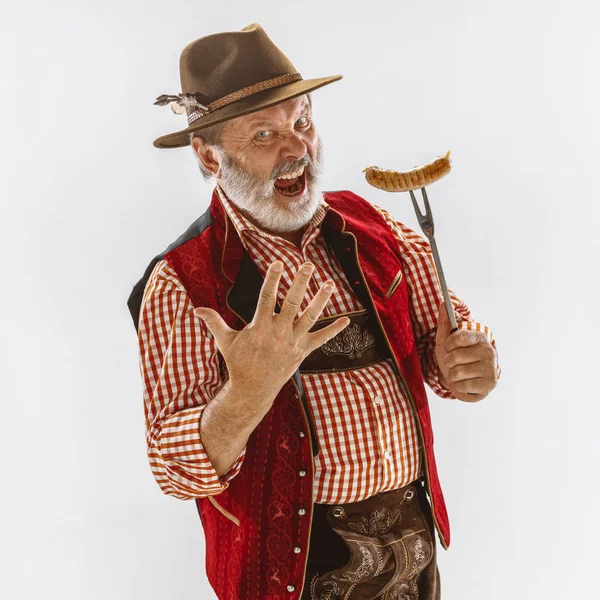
(243, 93)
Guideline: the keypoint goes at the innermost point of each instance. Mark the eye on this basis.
(264, 134)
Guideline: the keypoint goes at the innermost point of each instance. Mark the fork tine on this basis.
(425, 220)
(415, 205)
(428, 213)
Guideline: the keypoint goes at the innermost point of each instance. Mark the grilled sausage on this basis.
(402, 181)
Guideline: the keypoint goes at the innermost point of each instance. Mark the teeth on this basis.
(296, 174)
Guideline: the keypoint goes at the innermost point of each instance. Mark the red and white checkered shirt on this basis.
(363, 421)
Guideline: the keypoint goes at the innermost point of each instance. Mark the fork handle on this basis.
(447, 301)
(440, 274)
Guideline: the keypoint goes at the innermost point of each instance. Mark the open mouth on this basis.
(291, 188)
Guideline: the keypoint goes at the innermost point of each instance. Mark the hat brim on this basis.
(244, 106)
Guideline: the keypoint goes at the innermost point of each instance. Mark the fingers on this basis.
(313, 311)
(475, 385)
(296, 293)
(471, 370)
(216, 325)
(318, 338)
(463, 338)
(268, 292)
(470, 397)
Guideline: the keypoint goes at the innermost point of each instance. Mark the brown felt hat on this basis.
(230, 74)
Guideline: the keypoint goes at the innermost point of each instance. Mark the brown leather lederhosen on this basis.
(383, 547)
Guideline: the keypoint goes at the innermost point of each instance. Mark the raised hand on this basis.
(267, 351)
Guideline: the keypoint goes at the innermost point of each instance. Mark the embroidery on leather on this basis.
(365, 567)
(398, 593)
(379, 561)
(379, 522)
(419, 552)
(312, 586)
(350, 341)
(331, 591)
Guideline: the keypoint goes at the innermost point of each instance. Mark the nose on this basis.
(293, 146)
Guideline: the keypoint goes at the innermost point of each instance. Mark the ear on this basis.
(208, 156)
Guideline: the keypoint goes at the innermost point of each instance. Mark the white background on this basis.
(511, 88)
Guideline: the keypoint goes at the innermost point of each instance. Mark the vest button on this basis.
(302, 473)
(297, 549)
(301, 512)
(291, 588)
(302, 434)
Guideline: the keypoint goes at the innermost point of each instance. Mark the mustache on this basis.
(292, 168)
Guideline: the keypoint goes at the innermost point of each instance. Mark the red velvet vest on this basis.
(254, 528)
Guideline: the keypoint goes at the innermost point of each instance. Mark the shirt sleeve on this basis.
(425, 296)
(180, 369)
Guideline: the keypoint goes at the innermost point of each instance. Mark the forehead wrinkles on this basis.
(277, 115)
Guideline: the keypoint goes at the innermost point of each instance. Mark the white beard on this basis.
(256, 198)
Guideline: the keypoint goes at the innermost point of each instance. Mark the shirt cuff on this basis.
(181, 459)
(234, 469)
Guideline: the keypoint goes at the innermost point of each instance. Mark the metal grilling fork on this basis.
(426, 223)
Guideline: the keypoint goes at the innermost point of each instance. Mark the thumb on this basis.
(444, 326)
(215, 324)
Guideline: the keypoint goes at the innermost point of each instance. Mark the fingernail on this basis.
(277, 266)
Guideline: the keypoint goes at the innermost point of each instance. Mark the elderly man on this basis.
(285, 339)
